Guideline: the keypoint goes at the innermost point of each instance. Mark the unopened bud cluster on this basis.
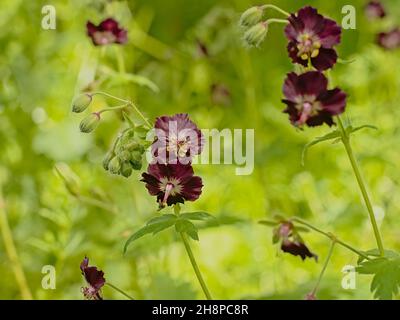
(255, 28)
(127, 153)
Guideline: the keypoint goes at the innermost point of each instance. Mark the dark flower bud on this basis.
(81, 102)
(115, 165)
(251, 16)
(126, 169)
(134, 146)
(136, 164)
(90, 123)
(124, 156)
(254, 36)
(107, 159)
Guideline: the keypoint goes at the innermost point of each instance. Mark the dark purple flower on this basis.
(310, 296)
(95, 280)
(107, 32)
(374, 10)
(177, 138)
(390, 40)
(309, 101)
(312, 38)
(290, 240)
(172, 183)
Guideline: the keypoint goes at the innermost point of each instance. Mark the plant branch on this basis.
(120, 291)
(361, 184)
(324, 267)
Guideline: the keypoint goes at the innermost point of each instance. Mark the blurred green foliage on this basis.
(167, 71)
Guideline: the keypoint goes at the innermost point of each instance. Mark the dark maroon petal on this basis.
(333, 101)
(91, 28)
(84, 264)
(109, 25)
(374, 10)
(326, 59)
(321, 118)
(294, 27)
(291, 88)
(297, 248)
(94, 277)
(330, 34)
(293, 54)
(122, 36)
(311, 19)
(173, 199)
(312, 83)
(192, 188)
(152, 183)
(294, 115)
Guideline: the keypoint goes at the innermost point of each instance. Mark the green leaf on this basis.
(186, 226)
(154, 226)
(269, 223)
(197, 216)
(386, 271)
(334, 135)
(350, 129)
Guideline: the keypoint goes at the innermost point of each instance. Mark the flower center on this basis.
(178, 147)
(170, 187)
(307, 107)
(308, 46)
(104, 37)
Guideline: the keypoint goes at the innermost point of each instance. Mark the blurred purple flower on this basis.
(374, 10)
(312, 38)
(389, 40)
(172, 183)
(309, 101)
(95, 280)
(107, 32)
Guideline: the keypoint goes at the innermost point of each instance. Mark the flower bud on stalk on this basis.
(124, 156)
(90, 123)
(115, 165)
(109, 156)
(81, 103)
(126, 169)
(256, 34)
(251, 16)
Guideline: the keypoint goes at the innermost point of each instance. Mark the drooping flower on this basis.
(172, 183)
(95, 280)
(107, 32)
(374, 10)
(312, 38)
(309, 101)
(389, 40)
(291, 241)
(177, 138)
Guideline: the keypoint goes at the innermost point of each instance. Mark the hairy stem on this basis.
(330, 236)
(195, 266)
(120, 291)
(271, 6)
(328, 258)
(362, 186)
(12, 253)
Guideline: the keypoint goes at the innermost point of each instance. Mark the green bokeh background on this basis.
(42, 70)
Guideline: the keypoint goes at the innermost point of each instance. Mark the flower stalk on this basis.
(120, 291)
(361, 184)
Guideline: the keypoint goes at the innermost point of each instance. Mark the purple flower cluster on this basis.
(107, 32)
(311, 40)
(171, 177)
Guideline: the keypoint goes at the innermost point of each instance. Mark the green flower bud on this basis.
(115, 165)
(90, 123)
(251, 16)
(126, 169)
(136, 164)
(134, 146)
(81, 102)
(124, 156)
(256, 34)
(107, 159)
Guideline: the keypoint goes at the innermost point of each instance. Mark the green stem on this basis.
(361, 184)
(97, 203)
(273, 20)
(12, 253)
(271, 6)
(324, 267)
(195, 266)
(120, 291)
(127, 102)
(330, 236)
(114, 108)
